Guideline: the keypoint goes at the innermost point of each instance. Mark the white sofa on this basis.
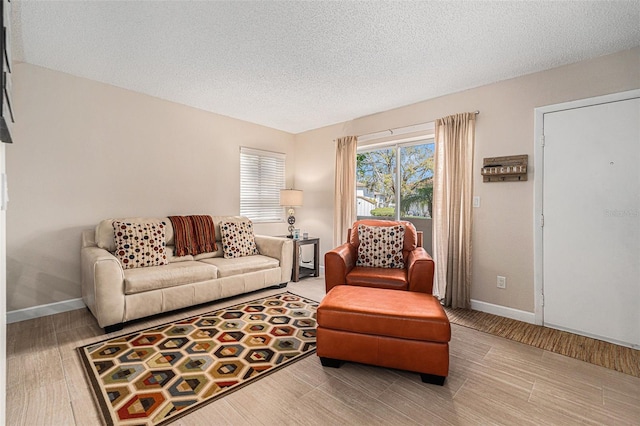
(115, 295)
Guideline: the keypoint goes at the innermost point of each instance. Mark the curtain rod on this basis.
(398, 128)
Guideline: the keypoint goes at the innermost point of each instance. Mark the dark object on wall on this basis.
(6, 113)
(505, 169)
(5, 135)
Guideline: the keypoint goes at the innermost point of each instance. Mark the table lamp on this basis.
(291, 198)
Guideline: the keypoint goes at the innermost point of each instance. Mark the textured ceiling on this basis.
(300, 65)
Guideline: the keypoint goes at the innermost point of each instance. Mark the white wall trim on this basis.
(593, 336)
(44, 310)
(3, 284)
(503, 311)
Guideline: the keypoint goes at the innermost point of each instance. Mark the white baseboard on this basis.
(503, 311)
(593, 336)
(44, 310)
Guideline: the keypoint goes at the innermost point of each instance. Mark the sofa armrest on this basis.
(102, 285)
(337, 264)
(278, 248)
(420, 271)
(89, 238)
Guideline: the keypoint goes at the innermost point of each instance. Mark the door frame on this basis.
(538, 181)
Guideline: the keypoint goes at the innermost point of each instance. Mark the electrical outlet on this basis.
(502, 282)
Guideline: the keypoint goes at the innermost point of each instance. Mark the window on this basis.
(261, 179)
(395, 175)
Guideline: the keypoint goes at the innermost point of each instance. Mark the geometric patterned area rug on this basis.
(154, 376)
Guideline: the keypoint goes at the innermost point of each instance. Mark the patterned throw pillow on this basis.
(140, 244)
(380, 246)
(238, 239)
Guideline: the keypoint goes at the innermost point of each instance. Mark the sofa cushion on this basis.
(217, 220)
(104, 230)
(140, 244)
(242, 265)
(217, 253)
(171, 275)
(238, 239)
(380, 246)
(173, 258)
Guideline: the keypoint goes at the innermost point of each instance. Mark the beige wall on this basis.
(504, 224)
(85, 151)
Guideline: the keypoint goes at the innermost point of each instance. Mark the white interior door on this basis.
(591, 210)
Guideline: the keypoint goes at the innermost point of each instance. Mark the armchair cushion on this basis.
(378, 277)
(381, 246)
(410, 233)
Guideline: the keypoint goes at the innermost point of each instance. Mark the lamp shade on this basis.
(291, 197)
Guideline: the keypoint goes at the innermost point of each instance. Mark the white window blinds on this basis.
(261, 179)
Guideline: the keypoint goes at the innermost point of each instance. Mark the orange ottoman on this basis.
(399, 329)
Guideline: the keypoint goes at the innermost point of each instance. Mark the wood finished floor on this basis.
(492, 380)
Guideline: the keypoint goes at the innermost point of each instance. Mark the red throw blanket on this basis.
(204, 234)
(193, 234)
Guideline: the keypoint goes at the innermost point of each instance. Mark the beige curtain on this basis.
(452, 194)
(345, 190)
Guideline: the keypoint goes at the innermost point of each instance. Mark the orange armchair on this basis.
(417, 275)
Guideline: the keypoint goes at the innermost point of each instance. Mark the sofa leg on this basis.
(432, 379)
(330, 362)
(112, 328)
(282, 285)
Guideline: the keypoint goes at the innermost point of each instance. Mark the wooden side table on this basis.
(299, 268)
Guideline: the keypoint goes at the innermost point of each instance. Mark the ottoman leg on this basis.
(432, 379)
(330, 362)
